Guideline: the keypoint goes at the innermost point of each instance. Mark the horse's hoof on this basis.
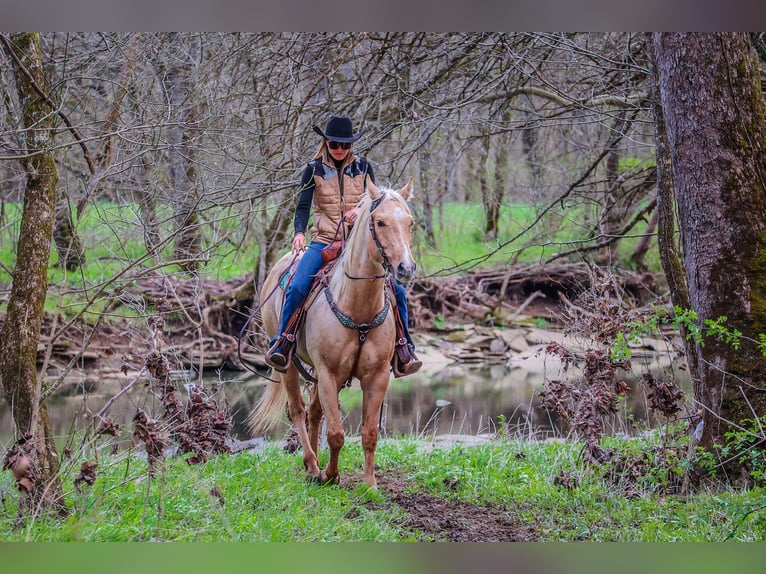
(314, 479)
(322, 478)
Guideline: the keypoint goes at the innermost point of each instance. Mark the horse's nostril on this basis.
(405, 270)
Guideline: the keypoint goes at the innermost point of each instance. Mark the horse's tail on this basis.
(270, 408)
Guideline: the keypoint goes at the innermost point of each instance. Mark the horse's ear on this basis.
(406, 190)
(372, 189)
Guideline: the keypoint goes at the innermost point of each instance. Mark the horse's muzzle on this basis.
(405, 272)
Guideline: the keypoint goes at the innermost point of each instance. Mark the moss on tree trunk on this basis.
(714, 114)
(23, 320)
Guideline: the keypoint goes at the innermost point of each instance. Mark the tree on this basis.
(35, 461)
(178, 78)
(715, 118)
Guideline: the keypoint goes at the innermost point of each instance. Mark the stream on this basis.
(445, 399)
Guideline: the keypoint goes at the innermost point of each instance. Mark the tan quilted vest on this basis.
(330, 204)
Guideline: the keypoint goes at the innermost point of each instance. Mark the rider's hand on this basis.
(299, 243)
(351, 215)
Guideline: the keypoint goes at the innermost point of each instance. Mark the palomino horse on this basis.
(349, 332)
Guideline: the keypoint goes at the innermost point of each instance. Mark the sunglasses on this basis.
(336, 145)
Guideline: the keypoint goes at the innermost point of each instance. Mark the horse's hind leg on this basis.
(297, 409)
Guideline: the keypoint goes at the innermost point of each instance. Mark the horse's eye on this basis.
(379, 223)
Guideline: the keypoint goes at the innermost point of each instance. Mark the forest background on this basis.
(171, 161)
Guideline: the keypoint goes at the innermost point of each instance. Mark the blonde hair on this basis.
(321, 150)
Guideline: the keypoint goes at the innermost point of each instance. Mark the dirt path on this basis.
(453, 521)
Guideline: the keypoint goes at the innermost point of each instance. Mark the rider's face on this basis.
(338, 151)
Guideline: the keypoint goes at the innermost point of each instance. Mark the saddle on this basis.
(332, 252)
(330, 256)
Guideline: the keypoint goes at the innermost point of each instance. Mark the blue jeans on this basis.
(401, 303)
(299, 286)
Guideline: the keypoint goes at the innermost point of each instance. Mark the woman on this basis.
(332, 183)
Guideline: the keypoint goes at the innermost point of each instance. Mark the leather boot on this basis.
(409, 365)
(275, 358)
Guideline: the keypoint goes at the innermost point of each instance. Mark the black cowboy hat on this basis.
(339, 129)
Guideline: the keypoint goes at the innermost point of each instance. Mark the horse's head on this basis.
(391, 229)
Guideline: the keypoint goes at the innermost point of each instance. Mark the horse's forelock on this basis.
(389, 193)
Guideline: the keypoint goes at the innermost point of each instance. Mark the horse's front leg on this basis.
(374, 389)
(297, 410)
(327, 390)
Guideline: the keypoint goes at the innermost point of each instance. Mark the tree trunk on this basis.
(529, 143)
(426, 196)
(183, 163)
(68, 244)
(486, 185)
(492, 227)
(667, 235)
(23, 319)
(614, 203)
(715, 118)
(638, 257)
(147, 205)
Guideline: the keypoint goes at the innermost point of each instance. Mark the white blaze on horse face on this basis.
(393, 228)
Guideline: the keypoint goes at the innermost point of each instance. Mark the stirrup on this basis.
(401, 367)
(275, 358)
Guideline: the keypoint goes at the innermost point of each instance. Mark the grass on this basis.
(265, 498)
(113, 244)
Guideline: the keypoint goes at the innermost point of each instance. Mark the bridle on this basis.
(375, 203)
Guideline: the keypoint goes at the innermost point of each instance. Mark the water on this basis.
(449, 399)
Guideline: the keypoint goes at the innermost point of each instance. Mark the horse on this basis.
(349, 331)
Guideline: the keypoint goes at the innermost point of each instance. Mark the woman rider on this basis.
(333, 183)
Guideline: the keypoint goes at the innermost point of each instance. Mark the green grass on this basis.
(459, 233)
(498, 476)
(114, 248)
(460, 240)
(266, 498)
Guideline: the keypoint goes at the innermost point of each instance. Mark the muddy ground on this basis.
(453, 521)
